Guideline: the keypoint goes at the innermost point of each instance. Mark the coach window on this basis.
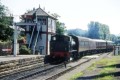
(99, 44)
(96, 44)
(85, 43)
(81, 43)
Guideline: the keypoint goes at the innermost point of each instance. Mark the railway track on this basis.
(46, 72)
(62, 71)
(42, 68)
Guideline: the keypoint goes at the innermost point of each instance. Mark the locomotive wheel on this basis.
(47, 59)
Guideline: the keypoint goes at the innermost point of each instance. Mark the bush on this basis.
(24, 50)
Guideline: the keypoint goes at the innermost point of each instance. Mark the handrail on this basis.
(31, 37)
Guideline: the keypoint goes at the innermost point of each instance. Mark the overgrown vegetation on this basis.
(24, 50)
(93, 66)
(77, 32)
(77, 75)
(5, 21)
(60, 28)
(111, 77)
(105, 68)
(101, 31)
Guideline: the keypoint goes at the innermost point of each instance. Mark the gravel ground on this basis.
(81, 68)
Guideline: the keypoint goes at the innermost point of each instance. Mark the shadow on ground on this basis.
(115, 65)
(115, 74)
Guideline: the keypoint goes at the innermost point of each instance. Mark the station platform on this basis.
(18, 57)
(10, 64)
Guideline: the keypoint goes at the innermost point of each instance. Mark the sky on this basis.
(74, 13)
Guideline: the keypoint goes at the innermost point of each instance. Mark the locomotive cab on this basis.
(61, 46)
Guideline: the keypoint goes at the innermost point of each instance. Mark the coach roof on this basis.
(99, 40)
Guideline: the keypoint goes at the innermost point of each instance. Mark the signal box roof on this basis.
(38, 12)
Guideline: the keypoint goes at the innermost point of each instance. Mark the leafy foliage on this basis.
(77, 75)
(24, 50)
(113, 37)
(117, 40)
(60, 28)
(5, 31)
(93, 27)
(97, 30)
(77, 32)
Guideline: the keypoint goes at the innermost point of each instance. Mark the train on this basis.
(70, 47)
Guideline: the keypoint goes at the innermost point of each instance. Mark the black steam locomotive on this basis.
(66, 47)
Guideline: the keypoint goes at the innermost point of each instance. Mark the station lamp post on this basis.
(15, 39)
(15, 27)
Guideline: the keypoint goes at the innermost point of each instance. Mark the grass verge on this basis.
(105, 67)
(111, 77)
(75, 76)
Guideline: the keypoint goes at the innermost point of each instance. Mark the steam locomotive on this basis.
(64, 47)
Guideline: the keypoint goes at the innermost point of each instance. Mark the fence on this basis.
(6, 48)
(116, 50)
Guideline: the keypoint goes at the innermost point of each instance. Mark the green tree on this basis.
(117, 42)
(5, 21)
(113, 37)
(60, 28)
(97, 30)
(104, 32)
(93, 30)
(77, 32)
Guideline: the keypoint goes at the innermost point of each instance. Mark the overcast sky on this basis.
(74, 13)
